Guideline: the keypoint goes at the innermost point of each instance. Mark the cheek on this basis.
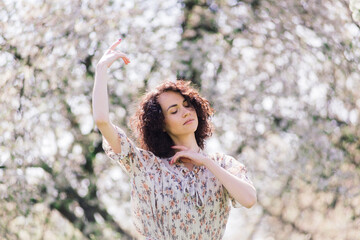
(169, 121)
(193, 111)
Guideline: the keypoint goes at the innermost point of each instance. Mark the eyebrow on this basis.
(174, 105)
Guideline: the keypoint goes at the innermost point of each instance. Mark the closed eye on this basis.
(185, 104)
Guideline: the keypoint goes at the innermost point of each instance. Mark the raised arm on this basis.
(100, 99)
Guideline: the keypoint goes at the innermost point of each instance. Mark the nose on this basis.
(186, 112)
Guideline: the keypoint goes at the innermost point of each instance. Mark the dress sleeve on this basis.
(131, 158)
(238, 169)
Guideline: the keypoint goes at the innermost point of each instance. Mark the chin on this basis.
(194, 128)
(187, 131)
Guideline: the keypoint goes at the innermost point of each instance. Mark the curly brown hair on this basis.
(148, 121)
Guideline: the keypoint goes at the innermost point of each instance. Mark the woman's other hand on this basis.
(111, 55)
(187, 155)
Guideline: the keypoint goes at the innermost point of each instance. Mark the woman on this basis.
(178, 190)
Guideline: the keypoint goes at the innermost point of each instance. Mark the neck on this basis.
(188, 141)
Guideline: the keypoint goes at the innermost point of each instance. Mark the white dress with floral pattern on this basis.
(171, 202)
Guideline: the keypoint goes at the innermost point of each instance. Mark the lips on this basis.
(189, 121)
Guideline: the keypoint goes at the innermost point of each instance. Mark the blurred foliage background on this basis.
(282, 75)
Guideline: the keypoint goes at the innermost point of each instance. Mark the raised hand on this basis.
(111, 55)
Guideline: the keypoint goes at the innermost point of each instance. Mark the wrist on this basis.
(101, 67)
(207, 161)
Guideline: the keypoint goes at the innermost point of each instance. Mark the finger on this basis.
(112, 59)
(123, 56)
(179, 147)
(126, 60)
(174, 159)
(115, 44)
(119, 53)
(186, 160)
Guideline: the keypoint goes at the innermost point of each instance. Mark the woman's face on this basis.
(180, 116)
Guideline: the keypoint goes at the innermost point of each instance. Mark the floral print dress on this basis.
(172, 202)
